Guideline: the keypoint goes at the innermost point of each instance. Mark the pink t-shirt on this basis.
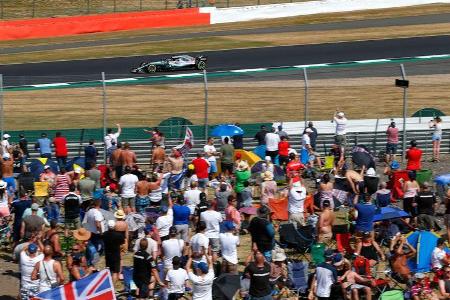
(392, 135)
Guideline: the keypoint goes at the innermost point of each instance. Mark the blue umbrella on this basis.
(388, 213)
(442, 179)
(227, 130)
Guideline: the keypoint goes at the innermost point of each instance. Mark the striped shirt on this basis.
(61, 186)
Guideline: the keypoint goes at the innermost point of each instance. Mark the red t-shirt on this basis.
(60, 146)
(293, 168)
(283, 148)
(414, 156)
(200, 168)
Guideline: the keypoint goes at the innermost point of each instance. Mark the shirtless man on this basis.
(142, 190)
(115, 161)
(154, 189)
(127, 157)
(7, 167)
(326, 222)
(158, 157)
(356, 182)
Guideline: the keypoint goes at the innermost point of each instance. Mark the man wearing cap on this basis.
(127, 184)
(201, 166)
(228, 245)
(341, 127)
(212, 219)
(6, 147)
(426, 207)
(181, 217)
(201, 277)
(90, 154)
(44, 145)
(272, 139)
(113, 241)
(325, 277)
(414, 157)
(165, 220)
(296, 201)
(29, 256)
(171, 247)
(32, 225)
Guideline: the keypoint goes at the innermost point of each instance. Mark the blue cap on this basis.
(395, 165)
(164, 209)
(202, 266)
(148, 228)
(32, 248)
(228, 226)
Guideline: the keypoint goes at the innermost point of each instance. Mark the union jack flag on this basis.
(97, 286)
(187, 143)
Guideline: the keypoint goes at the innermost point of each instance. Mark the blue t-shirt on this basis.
(181, 214)
(19, 207)
(45, 145)
(366, 212)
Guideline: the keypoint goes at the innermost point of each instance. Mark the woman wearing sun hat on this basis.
(268, 187)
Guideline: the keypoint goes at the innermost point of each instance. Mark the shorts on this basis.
(113, 263)
(297, 219)
(128, 202)
(143, 289)
(72, 224)
(27, 293)
(215, 244)
(325, 237)
(228, 267)
(4, 211)
(212, 166)
(436, 137)
(408, 206)
(227, 167)
(142, 202)
(202, 183)
(183, 231)
(391, 148)
(11, 185)
(340, 140)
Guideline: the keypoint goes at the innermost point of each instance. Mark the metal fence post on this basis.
(140, 5)
(405, 113)
(88, 6)
(2, 112)
(115, 6)
(1, 9)
(205, 81)
(305, 77)
(105, 107)
(33, 9)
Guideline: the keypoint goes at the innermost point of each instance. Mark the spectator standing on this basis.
(152, 245)
(181, 215)
(259, 272)
(90, 154)
(44, 146)
(18, 207)
(6, 146)
(326, 222)
(23, 145)
(199, 243)
(62, 183)
(158, 158)
(48, 271)
(313, 136)
(226, 154)
(72, 205)
(115, 162)
(283, 151)
(127, 156)
(242, 175)
(201, 278)
(127, 185)
(282, 133)
(414, 157)
(392, 142)
(211, 152)
(201, 167)
(341, 128)
(176, 280)
(95, 224)
(212, 220)
(426, 207)
(436, 124)
(170, 248)
(86, 186)
(231, 212)
(113, 241)
(29, 257)
(296, 202)
(32, 225)
(268, 187)
(238, 140)
(272, 139)
(222, 193)
(410, 189)
(60, 144)
(262, 232)
(228, 245)
(366, 213)
(325, 277)
(165, 221)
(112, 137)
(439, 256)
(192, 197)
(260, 136)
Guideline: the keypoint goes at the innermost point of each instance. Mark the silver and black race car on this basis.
(174, 63)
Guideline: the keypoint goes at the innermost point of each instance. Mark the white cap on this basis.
(268, 158)
(111, 224)
(371, 172)
(6, 136)
(340, 114)
(308, 130)
(6, 155)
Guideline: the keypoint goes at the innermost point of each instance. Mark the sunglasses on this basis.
(75, 249)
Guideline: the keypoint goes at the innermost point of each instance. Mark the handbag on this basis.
(53, 284)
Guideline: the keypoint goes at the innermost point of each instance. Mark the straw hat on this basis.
(267, 176)
(119, 214)
(242, 166)
(81, 234)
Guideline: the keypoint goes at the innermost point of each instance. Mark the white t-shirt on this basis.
(437, 129)
(192, 198)
(109, 138)
(177, 280)
(92, 216)
(202, 285)
(228, 246)
(210, 148)
(341, 125)
(171, 248)
(212, 220)
(26, 268)
(198, 241)
(163, 223)
(152, 245)
(296, 200)
(306, 140)
(272, 139)
(324, 279)
(436, 258)
(128, 184)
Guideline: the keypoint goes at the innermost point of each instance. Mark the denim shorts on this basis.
(391, 148)
(436, 137)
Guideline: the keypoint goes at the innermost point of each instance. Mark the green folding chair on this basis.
(392, 295)
(318, 253)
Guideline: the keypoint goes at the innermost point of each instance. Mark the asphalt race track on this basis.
(81, 70)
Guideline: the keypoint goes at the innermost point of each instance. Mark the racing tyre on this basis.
(151, 69)
(201, 65)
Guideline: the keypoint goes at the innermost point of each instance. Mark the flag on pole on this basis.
(187, 143)
(97, 286)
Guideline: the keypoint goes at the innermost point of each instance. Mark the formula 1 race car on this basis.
(174, 63)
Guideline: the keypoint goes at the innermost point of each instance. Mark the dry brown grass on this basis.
(228, 101)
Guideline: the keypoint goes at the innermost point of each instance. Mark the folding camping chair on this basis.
(328, 165)
(299, 240)
(318, 253)
(298, 276)
(392, 295)
(341, 239)
(362, 267)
